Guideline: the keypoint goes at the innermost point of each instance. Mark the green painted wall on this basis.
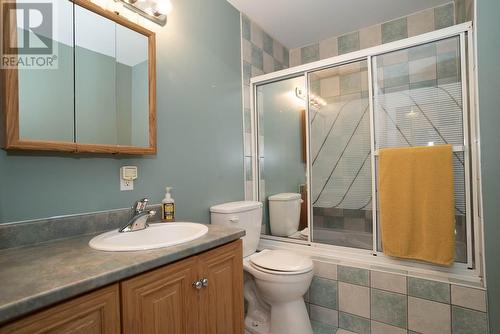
(200, 149)
(488, 29)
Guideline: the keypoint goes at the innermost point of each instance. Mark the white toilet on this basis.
(284, 214)
(280, 278)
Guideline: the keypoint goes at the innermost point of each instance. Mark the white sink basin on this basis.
(155, 236)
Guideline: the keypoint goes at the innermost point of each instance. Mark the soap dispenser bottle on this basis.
(168, 207)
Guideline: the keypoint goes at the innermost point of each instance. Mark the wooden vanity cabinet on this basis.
(95, 313)
(161, 301)
(165, 301)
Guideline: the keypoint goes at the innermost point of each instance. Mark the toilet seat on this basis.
(280, 262)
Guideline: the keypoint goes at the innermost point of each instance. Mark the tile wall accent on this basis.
(43, 230)
(344, 299)
(412, 25)
(260, 54)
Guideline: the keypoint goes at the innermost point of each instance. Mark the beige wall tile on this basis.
(425, 316)
(380, 328)
(354, 299)
(370, 36)
(324, 315)
(268, 63)
(389, 282)
(421, 22)
(295, 58)
(328, 48)
(423, 69)
(325, 269)
(257, 35)
(330, 87)
(468, 297)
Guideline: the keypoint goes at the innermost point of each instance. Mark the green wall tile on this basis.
(389, 308)
(322, 328)
(466, 321)
(323, 292)
(354, 323)
(348, 43)
(447, 65)
(353, 275)
(444, 16)
(268, 43)
(309, 53)
(431, 290)
(396, 75)
(394, 30)
(257, 57)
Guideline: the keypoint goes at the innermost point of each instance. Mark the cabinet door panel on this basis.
(95, 313)
(162, 301)
(221, 304)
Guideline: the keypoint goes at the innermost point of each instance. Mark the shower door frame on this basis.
(470, 148)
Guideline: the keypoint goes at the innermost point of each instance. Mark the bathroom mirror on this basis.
(100, 97)
(282, 161)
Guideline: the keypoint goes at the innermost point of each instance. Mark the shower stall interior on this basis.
(318, 128)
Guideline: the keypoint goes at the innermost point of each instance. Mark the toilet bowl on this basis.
(275, 280)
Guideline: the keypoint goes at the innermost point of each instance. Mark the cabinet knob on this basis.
(197, 285)
(204, 282)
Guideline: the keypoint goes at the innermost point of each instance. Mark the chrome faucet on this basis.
(140, 219)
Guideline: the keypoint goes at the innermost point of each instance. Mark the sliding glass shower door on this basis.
(340, 156)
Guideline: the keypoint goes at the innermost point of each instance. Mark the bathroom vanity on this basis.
(196, 287)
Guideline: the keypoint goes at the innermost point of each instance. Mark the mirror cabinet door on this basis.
(132, 91)
(46, 111)
(95, 78)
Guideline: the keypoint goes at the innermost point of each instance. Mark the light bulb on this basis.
(164, 7)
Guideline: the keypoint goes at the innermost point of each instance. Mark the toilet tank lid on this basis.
(235, 207)
(284, 197)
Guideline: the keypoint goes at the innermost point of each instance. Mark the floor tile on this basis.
(354, 323)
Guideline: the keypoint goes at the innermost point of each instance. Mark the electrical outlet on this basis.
(126, 185)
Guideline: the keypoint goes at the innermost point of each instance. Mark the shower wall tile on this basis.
(394, 30)
(421, 22)
(354, 323)
(414, 24)
(325, 269)
(246, 51)
(468, 297)
(425, 316)
(369, 37)
(384, 306)
(432, 290)
(444, 16)
(389, 308)
(388, 282)
(322, 328)
(354, 275)
(467, 321)
(323, 292)
(278, 51)
(381, 328)
(324, 315)
(354, 299)
(348, 43)
(268, 63)
(267, 43)
(309, 53)
(257, 57)
(247, 72)
(246, 27)
(257, 35)
(328, 48)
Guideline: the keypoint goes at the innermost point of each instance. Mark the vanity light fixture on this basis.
(153, 10)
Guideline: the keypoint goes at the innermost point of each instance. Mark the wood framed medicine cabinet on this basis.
(71, 118)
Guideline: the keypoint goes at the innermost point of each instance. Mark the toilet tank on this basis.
(284, 213)
(246, 215)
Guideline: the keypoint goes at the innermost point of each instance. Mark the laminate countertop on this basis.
(40, 275)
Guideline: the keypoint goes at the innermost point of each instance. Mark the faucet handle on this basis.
(140, 205)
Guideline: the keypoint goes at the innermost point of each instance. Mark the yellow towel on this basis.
(417, 203)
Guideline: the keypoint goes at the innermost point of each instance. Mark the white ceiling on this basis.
(301, 22)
